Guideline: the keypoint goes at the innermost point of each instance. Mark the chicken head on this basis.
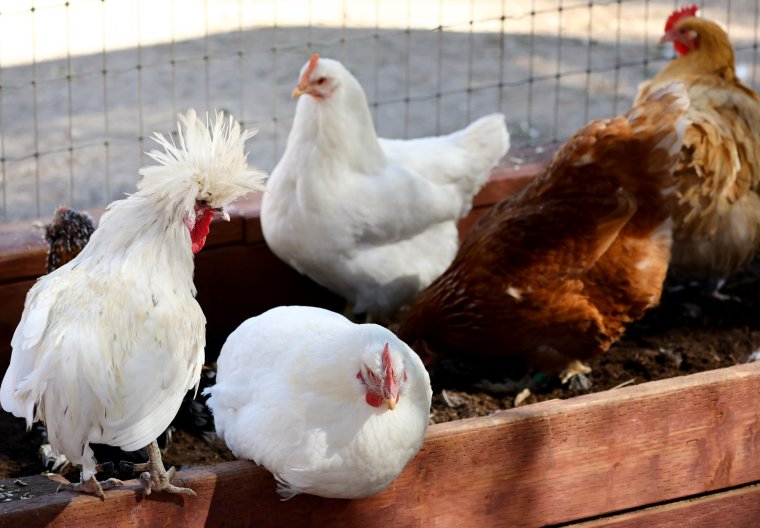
(315, 79)
(382, 381)
(684, 38)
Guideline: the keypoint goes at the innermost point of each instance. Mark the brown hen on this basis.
(555, 273)
(717, 209)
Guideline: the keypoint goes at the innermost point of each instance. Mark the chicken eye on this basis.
(202, 203)
(321, 81)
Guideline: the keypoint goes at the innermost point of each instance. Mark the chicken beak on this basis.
(667, 37)
(297, 92)
(222, 212)
(391, 402)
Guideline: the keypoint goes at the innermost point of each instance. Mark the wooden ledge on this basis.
(236, 275)
(544, 464)
(23, 249)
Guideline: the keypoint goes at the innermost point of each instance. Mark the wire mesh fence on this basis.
(83, 83)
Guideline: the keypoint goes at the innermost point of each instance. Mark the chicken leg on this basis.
(155, 477)
(91, 486)
(575, 374)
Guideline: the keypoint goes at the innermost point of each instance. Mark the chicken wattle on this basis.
(330, 407)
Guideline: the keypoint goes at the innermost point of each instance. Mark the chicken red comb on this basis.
(388, 363)
(678, 14)
(310, 68)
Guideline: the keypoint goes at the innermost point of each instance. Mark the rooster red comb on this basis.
(309, 69)
(678, 14)
(388, 363)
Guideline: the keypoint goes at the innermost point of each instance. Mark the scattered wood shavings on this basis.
(524, 395)
(451, 399)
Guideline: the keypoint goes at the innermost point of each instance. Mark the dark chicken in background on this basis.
(66, 235)
(554, 274)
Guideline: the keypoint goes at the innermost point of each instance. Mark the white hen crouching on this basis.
(330, 407)
(109, 343)
(373, 220)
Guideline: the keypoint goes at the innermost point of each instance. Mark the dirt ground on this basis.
(689, 332)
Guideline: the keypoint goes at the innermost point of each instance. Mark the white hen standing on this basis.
(373, 220)
(109, 344)
(332, 408)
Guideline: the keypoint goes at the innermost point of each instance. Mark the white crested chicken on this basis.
(551, 276)
(109, 343)
(330, 407)
(373, 220)
(716, 212)
(67, 234)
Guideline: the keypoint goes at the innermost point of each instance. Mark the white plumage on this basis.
(109, 344)
(371, 219)
(289, 397)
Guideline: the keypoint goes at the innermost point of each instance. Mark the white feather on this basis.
(287, 397)
(372, 219)
(109, 343)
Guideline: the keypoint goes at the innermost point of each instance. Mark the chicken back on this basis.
(556, 272)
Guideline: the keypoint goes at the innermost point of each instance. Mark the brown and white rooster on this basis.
(717, 208)
(109, 343)
(553, 275)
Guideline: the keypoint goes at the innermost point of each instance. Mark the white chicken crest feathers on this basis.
(209, 163)
(287, 397)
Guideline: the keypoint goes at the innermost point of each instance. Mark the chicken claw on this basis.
(575, 373)
(91, 486)
(155, 477)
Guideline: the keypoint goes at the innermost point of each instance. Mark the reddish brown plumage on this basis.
(556, 272)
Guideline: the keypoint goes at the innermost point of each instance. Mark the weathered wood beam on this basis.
(736, 507)
(548, 463)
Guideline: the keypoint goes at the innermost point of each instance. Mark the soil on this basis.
(691, 331)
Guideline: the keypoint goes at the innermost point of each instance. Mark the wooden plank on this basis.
(234, 283)
(23, 248)
(737, 508)
(547, 463)
(505, 181)
(13, 295)
(22, 251)
(241, 281)
(260, 279)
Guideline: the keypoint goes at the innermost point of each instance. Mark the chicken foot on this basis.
(91, 486)
(155, 477)
(575, 374)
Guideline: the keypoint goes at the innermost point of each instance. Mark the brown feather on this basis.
(717, 208)
(556, 272)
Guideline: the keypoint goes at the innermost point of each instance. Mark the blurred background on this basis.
(84, 83)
